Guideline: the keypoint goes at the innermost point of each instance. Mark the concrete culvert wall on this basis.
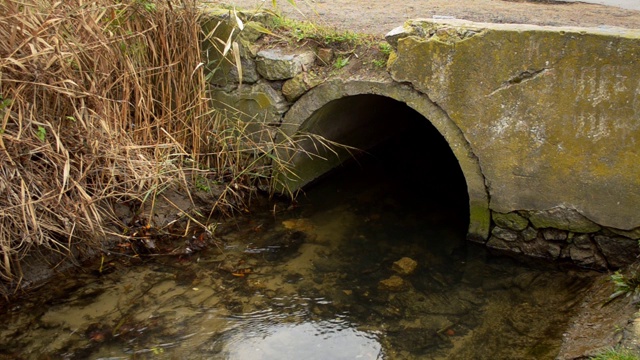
(543, 123)
(363, 114)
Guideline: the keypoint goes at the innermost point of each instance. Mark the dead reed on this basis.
(103, 102)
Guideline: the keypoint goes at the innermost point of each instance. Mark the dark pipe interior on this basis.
(405, 156)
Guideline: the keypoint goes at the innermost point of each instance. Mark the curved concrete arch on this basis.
(300, 118)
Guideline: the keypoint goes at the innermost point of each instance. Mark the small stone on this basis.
(251, 32)
(348, 292)
(499, 244)
(275, 64)
(294, 88)
(562, 218)
(512, 220)
(541, 249)
(244, 49)
(496, 243)
(529, 234)
(582, 241)
(394, 283)
(396, 34)
(619, 251)
(554, 235)
(405, 266)
(258, 102)
(631, 234)
(504, 234)
(554, 250)
(582, 257)
(249, 73)
(324, 56)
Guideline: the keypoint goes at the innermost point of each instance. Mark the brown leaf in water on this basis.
(242, 272)
(298, 224)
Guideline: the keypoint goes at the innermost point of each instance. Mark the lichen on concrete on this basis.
(513, 220)
(551, 113)
(562, 218)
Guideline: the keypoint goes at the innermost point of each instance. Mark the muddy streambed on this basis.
(317, 281)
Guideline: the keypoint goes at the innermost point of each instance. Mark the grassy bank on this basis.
(104, 104)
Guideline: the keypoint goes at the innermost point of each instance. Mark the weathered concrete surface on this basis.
(553, 114)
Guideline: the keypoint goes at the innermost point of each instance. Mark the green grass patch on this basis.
(341, 62)
(379, 63)
(307, 31)
(617, 354)
(385, 48)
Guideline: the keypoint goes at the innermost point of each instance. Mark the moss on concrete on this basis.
(551, 113)
(512, 221)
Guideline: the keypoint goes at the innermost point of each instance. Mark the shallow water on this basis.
(305, 283)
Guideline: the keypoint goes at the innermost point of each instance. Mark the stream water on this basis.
(316, 281)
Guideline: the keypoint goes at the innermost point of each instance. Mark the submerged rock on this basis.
(298, 224)
(394, 283)
(405, 266)
(277, 246)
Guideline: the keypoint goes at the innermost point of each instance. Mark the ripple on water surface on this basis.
(269, 336)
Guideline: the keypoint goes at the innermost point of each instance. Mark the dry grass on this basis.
(103, 102)
(90, 92)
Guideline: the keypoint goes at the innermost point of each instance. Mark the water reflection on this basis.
(267, 336)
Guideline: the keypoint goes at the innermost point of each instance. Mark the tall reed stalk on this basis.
(102, 102)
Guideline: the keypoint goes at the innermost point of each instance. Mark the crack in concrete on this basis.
(521, 78)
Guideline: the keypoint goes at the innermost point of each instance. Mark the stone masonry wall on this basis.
(270, 79)
(552, 235)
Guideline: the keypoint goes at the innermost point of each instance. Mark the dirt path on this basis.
(378, 17)
(625, 4)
